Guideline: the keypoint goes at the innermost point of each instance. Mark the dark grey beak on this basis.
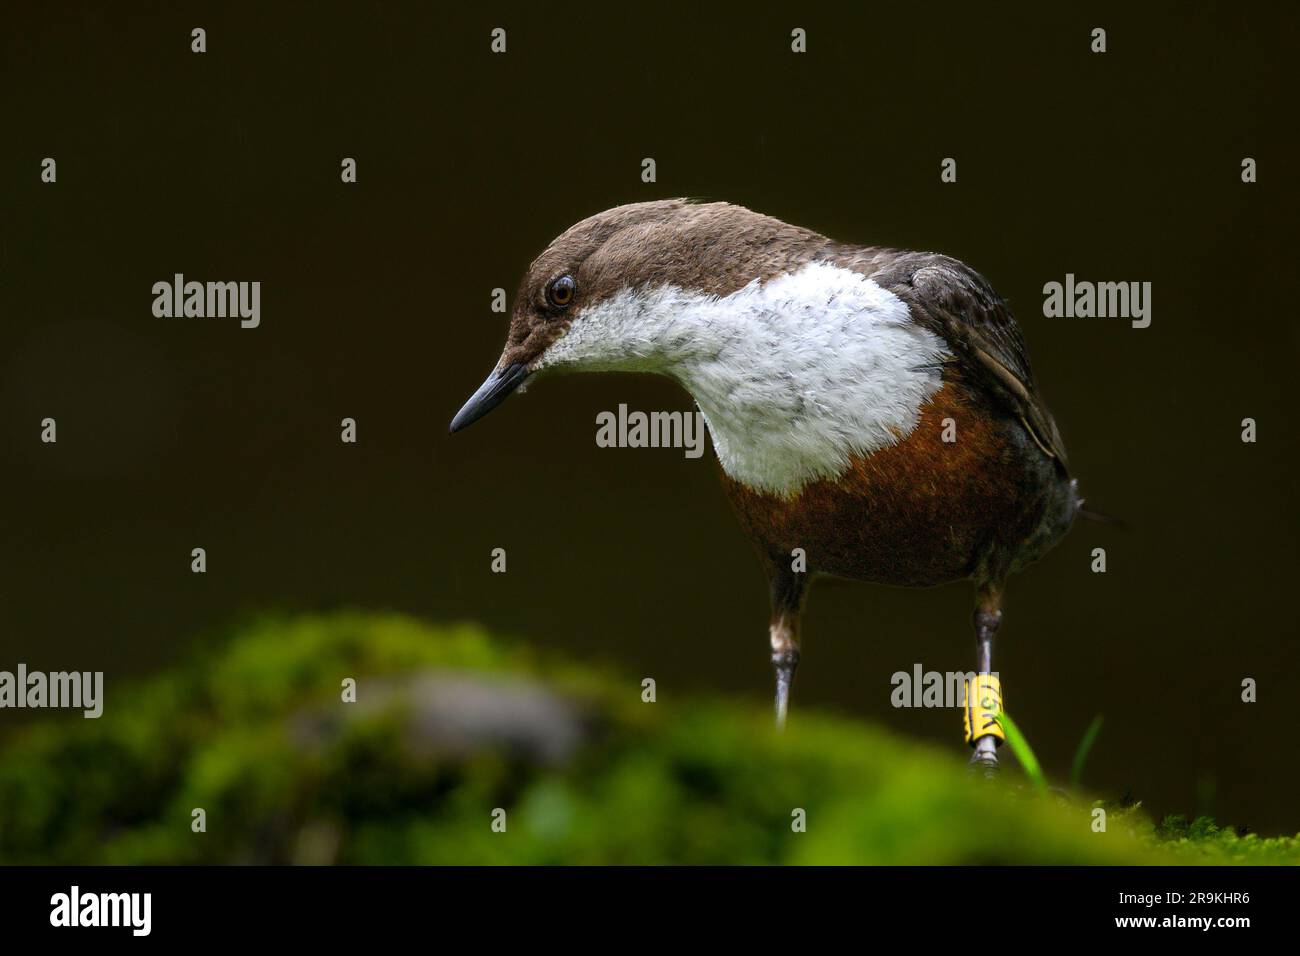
(490, 394)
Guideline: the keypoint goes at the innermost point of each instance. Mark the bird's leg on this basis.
(787, 602)
(984, 694)
(785, 658)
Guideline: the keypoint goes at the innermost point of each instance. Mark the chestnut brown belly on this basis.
(923, 511)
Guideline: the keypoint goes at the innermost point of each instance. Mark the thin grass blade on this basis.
(1081, 754)
(1024, 753)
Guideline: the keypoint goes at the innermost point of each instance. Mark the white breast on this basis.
(793, 375)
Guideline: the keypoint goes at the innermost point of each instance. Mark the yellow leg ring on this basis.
(983, 704)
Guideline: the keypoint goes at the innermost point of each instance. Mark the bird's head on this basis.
(601, 297)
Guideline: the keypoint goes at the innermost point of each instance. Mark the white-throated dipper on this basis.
(872, 407)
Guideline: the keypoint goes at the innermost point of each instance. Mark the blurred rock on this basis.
(455, 714)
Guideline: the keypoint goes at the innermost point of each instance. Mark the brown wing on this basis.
(957, 303)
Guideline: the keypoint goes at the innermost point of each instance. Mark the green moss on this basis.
(253, 731)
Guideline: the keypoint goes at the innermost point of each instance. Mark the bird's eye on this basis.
(560, 292)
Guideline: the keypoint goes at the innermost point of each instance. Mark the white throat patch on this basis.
(793, 375)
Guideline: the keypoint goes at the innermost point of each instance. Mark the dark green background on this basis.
(177, 433)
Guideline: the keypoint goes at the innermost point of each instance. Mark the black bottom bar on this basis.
(305, 905)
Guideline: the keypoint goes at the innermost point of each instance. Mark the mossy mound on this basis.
(449, 726)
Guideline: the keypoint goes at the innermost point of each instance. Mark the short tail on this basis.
(1101, 517)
